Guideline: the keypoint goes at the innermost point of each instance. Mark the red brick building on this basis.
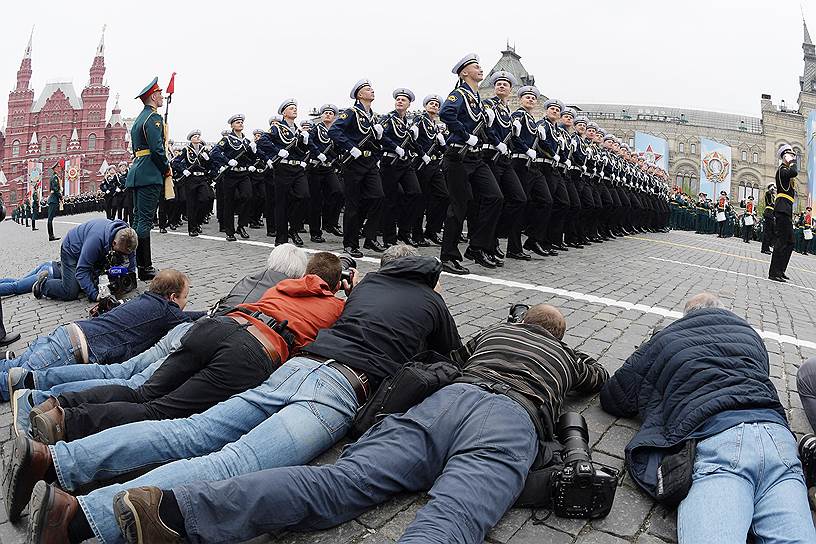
(60, 124)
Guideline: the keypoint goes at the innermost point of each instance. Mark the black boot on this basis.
(144, 260)
(6, 337)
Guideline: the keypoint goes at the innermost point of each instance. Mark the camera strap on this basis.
(280, 327)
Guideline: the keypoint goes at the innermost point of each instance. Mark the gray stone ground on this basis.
(653, 270)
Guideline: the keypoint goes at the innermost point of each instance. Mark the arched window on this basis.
(15, 148)
(54, 145)
(91, 142)
(64, 144)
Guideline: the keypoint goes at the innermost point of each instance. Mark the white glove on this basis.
(118, 190)
(557, 157)
(531, 153)
(269, 163)
(321, 157)
(222, 169)
(212, 185)
(378, 130)
(426, 159)
(205, 156)
(501, 147)
(233, 163)
(302, 164)
(491, 116)
(253, 146)
(440, 138)
(472, 140)
(399, 151)
(186, 173)
(305, 137)
(583, 166)
(415, 131)
(568, 163)
(283, 153)
(251, 168)
(354, 152)
(516, 127)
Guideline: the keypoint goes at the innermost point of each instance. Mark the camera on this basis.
(348, 263)
(517, 313)
(807, 453)
(120, 280)
(581, 489)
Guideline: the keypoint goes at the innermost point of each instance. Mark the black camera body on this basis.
(348, 263)
(582, 489)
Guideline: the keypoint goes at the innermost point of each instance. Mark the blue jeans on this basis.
(132, 373)
(45, 352)
(747, 478)
(21, 286)
(297, 413)
(471, 448)
(67, 287)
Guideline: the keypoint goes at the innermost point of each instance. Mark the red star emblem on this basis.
(650, 156)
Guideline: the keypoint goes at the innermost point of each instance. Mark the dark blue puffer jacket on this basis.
(708, 362)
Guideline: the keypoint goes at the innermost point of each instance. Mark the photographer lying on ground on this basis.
(806, 385)
(301, 410)
(114, 337)
(471, 444)
(714, 434)
(32, 387)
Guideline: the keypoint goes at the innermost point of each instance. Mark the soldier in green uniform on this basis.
(55, 196)
(146, 175)
(35, 206)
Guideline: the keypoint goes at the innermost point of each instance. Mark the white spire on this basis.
(74, 136)
(100, 50)
(33, 139)
(27, 54)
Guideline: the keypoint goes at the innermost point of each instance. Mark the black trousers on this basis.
(218, 359)
(363, 191)
(435, 199)
(768, 231)
(325, 196)
(197, 197)
(291, 195)
(536, 215)
(118, 205)
(511, 219)
(403, 199)
(53, 208)
(783, 245)
(110, 212)
(269, 201)
(237, 190)
(470, 181)
(561, 204)
(127, 204)
(258, 199)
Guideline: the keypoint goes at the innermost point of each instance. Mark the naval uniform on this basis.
(192, 166)
(768, 230)
(528, 166)
(325, 191)
(403, 194)
(235, 184)
(435, 199)
(783, 219)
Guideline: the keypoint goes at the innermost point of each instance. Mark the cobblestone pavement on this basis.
(611, 294)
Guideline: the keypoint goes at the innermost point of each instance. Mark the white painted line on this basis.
(789, 284)
(575, 295)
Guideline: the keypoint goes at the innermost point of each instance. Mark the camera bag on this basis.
(413, 383)
(674, 474)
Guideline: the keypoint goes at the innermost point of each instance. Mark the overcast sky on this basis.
(249, 56)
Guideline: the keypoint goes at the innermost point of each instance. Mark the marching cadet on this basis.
(783, 213)
(592, 179)
(286, 150)
(549, 139)
(527, 165)
(468, 177)
(55, 196)
(430, 142)
(748, 220)
(193, 166)
(325, 192)
(402, 206)
(150, 167)
(497, 156)
(577, 172)
(571, 224)
(356, 133)
(127, 199)
(232, 157)
(603, 196)
(115, 184)
(768, 219)
(269, 187)
(258, 178)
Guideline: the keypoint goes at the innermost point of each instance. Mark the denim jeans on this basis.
(21, 286)
(132, 373)
(297, 413)
(746, 478)
(67, 287)
(45, 352)
(471, 448)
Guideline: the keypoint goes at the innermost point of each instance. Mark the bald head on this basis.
(548, 318)
(702, 300)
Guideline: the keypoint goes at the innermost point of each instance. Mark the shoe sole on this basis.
(43, 432)
(40, 497)
(127, 518)
(15, 502)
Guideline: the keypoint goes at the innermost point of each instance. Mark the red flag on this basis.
(171, 87)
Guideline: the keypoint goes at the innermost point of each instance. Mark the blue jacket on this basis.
(131, 328)
(89, 244)
(707, 363)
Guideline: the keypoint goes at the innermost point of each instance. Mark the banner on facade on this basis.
(33, 177)
(715, 168)
(654, 150)
(811, 151)
(72, 170)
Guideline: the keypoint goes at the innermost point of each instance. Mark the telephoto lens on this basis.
(573, 434)
(807, 453)
(347, 263)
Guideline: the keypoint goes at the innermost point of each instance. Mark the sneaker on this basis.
(16, 379)
(22, 401)
(137, 514)
(36, 289)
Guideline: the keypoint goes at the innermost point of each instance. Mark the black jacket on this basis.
(390, 316)
(706, 363)
(249, 289)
